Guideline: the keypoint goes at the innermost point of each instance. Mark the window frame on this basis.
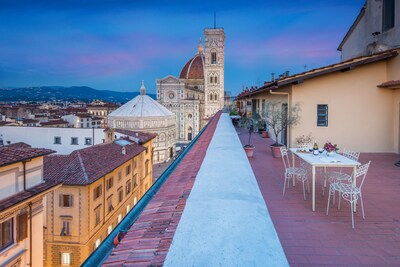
(97, 192)
(128, 187)
(322, 115)
(63, 199)
(56, 139)
(73, 139)
(5, 245)
(109, 183)
(88, 141)
(65, 259)
(388, 15)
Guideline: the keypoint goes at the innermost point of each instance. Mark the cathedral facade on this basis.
(198, 93)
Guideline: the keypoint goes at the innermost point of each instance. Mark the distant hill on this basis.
(74, 93)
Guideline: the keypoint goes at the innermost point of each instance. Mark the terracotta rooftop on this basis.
(54, 122)
(142, 136)
(390, 84)
(27, 194)
(194, 68)
(85, 166)
(20, 152)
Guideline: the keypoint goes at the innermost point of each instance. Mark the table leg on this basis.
(313, 188)
(294, 177)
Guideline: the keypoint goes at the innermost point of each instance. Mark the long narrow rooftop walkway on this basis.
(210, 212)
(315, 239)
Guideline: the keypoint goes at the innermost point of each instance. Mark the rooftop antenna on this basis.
(215, 20)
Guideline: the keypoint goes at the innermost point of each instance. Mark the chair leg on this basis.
(340, 197)
(304, 192)
(362, 205)
(284, 185)
(329, 200)
(351, 210)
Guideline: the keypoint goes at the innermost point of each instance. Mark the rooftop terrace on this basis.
(210, 212)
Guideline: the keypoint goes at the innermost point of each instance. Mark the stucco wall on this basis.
(361, 115)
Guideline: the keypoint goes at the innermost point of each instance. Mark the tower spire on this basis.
(200, 48)
(142, 89)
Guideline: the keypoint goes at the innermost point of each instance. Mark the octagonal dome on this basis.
(194, 68)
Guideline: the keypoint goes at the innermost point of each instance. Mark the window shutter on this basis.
(22, 226)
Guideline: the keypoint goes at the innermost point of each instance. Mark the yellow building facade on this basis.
(82, 212)
(354, 103)
(22, 191)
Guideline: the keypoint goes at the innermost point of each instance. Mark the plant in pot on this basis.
(249, 148)
(280, 118)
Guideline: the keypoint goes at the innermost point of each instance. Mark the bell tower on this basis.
(214, 70)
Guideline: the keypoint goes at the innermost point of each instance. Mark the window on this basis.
(322, 115)
(134, 201)
(128, 170)
(215, 97)
(128, 187)
(65, 259)
(135, 181)
(97, 192)
(65, 228)
(109, 229)
(6, 234)
(388, 15)
(97, 243)
(110, 206)
(215, 80)
(57, 140)
(74, 140)
(119, 218)
(109, 183)
(120, 194)
(81, 125)
(87, 125)
(97, 215)
(146, 170)
(65, 201)
(22, 226)
(88, 141)
(128, 208)
(211, 79)
(119, 176)
(213, 57)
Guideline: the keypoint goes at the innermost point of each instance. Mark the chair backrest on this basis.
(362, 172)
(285, 157)
(351, 154)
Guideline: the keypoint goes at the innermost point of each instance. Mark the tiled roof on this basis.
(142, 136)
(30, 121)
(390, 84)
(194, 68)
(148, 240)
(87, 165)
(27, 194)
(19, 152)
(55, 122)
(3, 123)
(341, 66)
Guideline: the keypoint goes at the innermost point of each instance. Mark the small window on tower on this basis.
(213, 57)
(211, 79)
(215, 80)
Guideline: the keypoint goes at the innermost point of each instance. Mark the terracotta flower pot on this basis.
(276, 151)
(264, 134)
(249, 150)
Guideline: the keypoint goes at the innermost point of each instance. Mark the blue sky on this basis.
(114, 44)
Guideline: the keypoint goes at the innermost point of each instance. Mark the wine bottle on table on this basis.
(315, 149)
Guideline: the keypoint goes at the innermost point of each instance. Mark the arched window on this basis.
(213, 57)
(215, 97)
(189, 134)
(215, 79)
(210, 97)
(211, 79)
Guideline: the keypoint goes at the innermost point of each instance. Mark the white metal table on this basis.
(322, 160)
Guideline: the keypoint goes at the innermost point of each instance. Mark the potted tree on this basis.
(278, 119)
(249, 124)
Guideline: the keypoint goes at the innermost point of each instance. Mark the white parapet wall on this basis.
(225, 221)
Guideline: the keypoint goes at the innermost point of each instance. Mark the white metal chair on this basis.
(349, 191)
(298, 173)
(334, 176)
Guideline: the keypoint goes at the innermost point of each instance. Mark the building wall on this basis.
(361, 115)
(82, 216)
(44, 137)
(361, 36)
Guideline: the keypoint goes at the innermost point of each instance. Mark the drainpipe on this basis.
(30, 234)
(289, 104)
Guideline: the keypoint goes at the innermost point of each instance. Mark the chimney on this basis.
(123, 152)
(272, 77)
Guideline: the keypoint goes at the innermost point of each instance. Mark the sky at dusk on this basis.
(114, 44)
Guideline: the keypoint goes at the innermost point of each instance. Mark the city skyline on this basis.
(113, 45)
